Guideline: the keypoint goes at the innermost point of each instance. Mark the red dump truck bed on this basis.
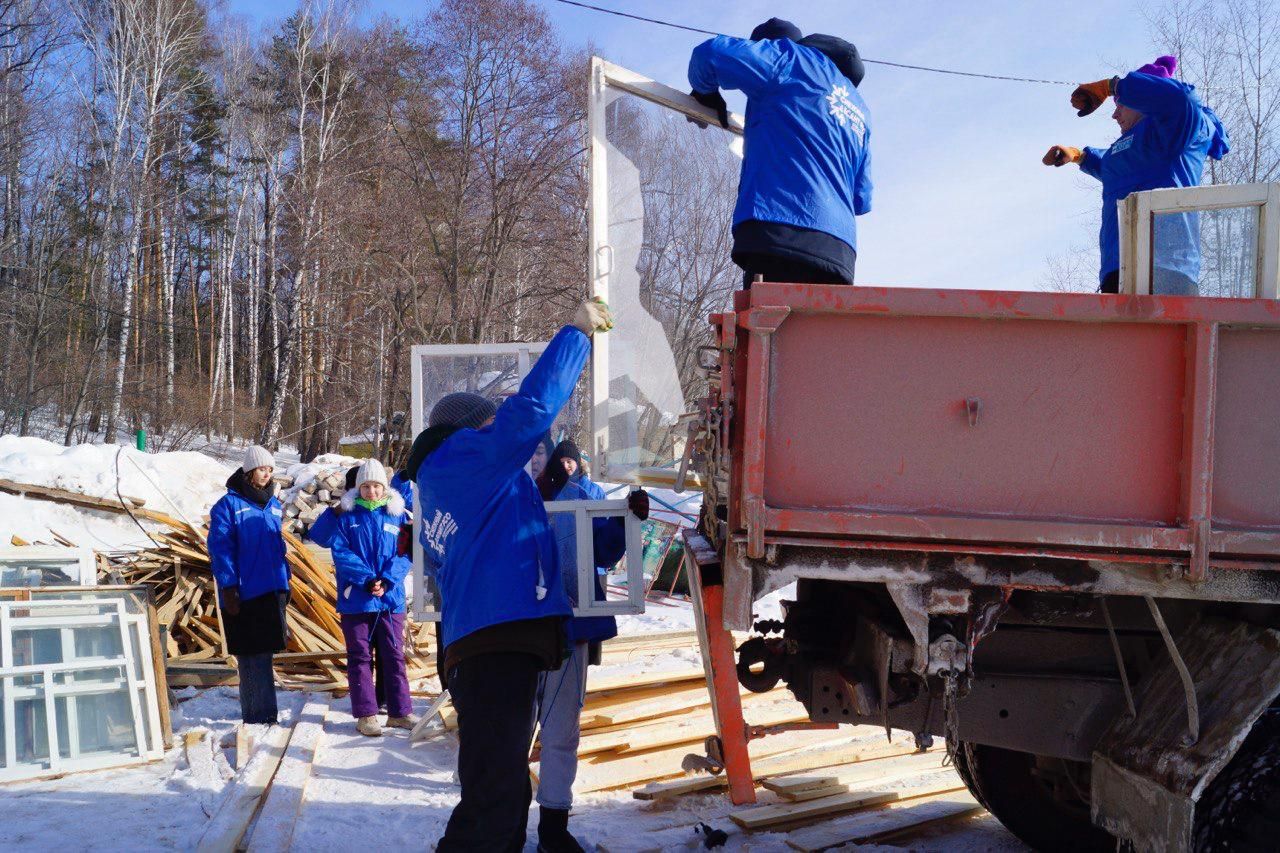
(1068, 423)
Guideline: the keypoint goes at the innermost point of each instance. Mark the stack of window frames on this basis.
(78, 687)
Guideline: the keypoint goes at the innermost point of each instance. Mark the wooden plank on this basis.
(223, 832)
(875, 770)
(775, 767)
(158, 672)
(893, 821)
(274, 828)
(244, 746)
(831, 790)
(601, 772)
(759, 817)
(607, 682)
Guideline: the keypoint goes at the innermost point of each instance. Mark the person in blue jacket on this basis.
(806, 171)
(486, 540)
(1165, 136)
(561, 693)
(247, 555)
(371, 575)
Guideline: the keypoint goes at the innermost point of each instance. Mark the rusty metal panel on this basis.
(1247, 429)
(1026, 419)
(1056, 421)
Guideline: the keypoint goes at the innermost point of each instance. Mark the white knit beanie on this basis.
(257, 457)
(371, 472)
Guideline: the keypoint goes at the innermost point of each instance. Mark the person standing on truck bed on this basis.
(1165, 136)
(806, 171)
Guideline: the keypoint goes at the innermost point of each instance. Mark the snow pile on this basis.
(183, 481)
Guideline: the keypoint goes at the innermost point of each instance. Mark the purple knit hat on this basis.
(1162, 67)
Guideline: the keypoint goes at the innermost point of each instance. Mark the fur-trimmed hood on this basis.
(394, 506)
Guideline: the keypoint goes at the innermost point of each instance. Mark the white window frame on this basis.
(80, 563)
(424, 606)
(584, 512)
(605, 76)
(1137, 213)
(137, 674)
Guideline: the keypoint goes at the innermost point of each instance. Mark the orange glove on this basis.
(1061, 155)
(1089, 96)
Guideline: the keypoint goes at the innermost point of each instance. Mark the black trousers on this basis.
(783, 269)
(495, 696)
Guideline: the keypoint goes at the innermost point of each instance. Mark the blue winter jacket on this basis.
(590, 489)
(609, 542)
(807, 138)
(322, 529)
(364, 546)
(1167, 148)
(246, 546)
(405, 488)
(483, 529)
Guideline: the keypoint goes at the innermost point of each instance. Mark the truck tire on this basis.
(1240, 810)
(1015, 787)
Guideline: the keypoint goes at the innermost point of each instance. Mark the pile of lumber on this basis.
(303, 506)
(177, 570)
(648, 709)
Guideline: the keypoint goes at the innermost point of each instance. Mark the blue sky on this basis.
(961, 197)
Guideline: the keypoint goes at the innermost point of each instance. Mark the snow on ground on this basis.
(169, 482)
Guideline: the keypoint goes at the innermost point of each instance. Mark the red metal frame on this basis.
(1180, 526)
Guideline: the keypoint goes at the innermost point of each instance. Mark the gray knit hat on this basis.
(257, 457)
(462, 409)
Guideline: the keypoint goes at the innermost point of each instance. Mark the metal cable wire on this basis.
(927, 68)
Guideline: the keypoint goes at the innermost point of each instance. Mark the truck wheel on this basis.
(1240, 810)
(1044, 801)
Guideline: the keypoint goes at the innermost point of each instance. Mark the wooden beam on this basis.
(227, 826)
(777, 814)
(273, 830)
(891, 822)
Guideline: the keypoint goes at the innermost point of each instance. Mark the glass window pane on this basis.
(1206, 253)
(99, 710)
(671, 189)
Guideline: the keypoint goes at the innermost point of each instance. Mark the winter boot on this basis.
(553, 832)
(402, 722)
(369, 727)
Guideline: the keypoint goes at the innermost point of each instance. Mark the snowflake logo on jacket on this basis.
(846, 112)
(437, 533)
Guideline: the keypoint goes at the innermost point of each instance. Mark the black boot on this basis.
(553, 832)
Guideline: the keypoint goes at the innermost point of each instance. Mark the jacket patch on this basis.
(846, 112)
(437, 533)
(388, 527)
(276, 511)
(1121, 144)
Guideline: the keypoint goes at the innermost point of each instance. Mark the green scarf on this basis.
(372, 505)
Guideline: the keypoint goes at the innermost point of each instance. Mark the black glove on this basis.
(712, 100)
(638, 503)
(231, 601)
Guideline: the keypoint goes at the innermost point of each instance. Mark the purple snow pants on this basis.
(385, 630)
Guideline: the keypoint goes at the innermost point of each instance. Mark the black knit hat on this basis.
(776, 28)
(462, 409)
(842, 53)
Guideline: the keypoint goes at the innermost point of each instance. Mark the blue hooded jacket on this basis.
(609, 542)
(483, 529)
(246, 546)
(322, 529)
(807, 137)
(405, 488)
(1167, 148)
(364, 546)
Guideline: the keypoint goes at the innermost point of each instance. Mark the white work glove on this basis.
(593, 316)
